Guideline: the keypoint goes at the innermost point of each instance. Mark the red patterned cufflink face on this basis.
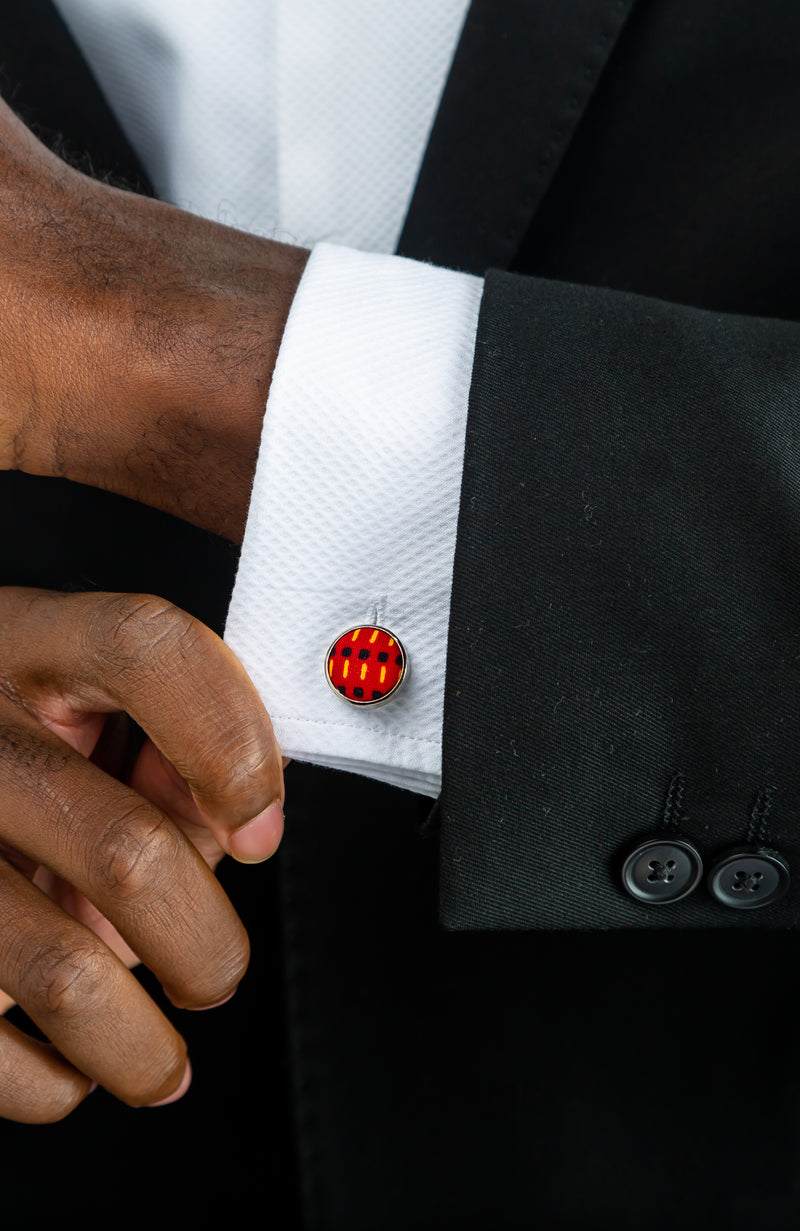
(366, 665)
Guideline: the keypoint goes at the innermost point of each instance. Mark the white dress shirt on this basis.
(306, 121)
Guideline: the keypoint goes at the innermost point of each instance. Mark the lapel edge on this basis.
(522, 76)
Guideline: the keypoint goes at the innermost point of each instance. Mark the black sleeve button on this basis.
(662, 870)
(749, 877)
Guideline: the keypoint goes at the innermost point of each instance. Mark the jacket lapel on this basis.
(522, 75)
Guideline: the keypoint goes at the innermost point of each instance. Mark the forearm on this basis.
(185, 430)
(140, 339)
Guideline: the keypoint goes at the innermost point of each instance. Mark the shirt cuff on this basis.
(354, 508)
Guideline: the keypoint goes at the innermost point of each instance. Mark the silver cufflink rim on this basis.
(368, 703)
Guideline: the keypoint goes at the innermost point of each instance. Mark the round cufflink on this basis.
(366, 665)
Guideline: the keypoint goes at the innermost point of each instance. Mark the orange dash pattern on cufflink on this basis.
(381, 663)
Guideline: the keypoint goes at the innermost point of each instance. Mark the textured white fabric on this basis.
(303, 120)
(368, 399)
(306, 120)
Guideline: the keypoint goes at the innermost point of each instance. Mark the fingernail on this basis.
(201, 1008)
(179, 1093)
(259, 838)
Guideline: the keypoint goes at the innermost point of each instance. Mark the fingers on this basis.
(103, 1024)
(126, 857)
(93, 653)
(156, 779)
(66, 662)
(37, 1086)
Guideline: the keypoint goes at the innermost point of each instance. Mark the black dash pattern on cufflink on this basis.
(366, 665)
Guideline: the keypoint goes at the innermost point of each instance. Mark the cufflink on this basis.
(366, 665)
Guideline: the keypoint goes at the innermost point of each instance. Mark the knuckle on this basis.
(241, 760)
(65, 980)
(135, 855)
(125, 626)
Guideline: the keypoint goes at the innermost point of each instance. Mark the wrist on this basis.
(188, 434)
(139, 339)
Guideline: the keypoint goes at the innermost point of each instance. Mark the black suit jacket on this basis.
(623, 612)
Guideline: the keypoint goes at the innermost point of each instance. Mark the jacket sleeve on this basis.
(623, 650)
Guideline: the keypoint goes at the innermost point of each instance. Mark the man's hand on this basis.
(138, 341)
(120, 879)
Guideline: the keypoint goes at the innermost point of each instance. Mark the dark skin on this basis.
(96, 874)
(138, 340)
(138, 346)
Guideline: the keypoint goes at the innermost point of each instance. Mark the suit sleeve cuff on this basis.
(354, 507)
